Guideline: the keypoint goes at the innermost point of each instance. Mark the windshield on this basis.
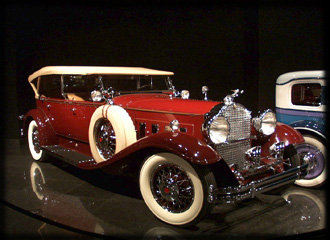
(79, 87)
(124, 83)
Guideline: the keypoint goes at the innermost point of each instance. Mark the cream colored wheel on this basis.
(111, 130)
(173, 190)
(34, 142)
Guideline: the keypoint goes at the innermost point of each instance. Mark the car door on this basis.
(53, 103)
(79, 107)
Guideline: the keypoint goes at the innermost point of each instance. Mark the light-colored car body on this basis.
(301, 102)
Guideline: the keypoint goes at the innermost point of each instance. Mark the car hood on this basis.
(164, 103)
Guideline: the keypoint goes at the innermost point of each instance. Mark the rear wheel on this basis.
(34, 142)
(174, 190)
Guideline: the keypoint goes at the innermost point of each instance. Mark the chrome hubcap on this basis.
(172, 188)
(105, 138)
(309, 158)
(312, 156)
(35, 140)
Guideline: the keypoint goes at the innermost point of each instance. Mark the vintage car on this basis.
(301, 103)
(187, 154)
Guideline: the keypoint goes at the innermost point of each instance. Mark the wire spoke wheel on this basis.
(105, 138)
(172, 188)
(35, 139)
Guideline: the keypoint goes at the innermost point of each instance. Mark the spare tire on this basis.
(111, 130)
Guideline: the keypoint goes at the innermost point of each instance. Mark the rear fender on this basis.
(310, 126)
(47, 134)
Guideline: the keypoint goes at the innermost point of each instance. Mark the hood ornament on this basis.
(205, 89)
(229, 99)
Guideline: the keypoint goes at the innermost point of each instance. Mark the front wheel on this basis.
(174, 190)
(313, 152)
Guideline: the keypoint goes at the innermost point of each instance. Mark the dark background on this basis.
(225, 45)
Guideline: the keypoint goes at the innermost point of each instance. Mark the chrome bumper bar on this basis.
(233, 194)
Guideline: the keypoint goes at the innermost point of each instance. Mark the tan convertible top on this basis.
(87, 70)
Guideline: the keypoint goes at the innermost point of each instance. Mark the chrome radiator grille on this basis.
(239, 119)
(234, 152)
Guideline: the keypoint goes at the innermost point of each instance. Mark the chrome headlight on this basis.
(185, 94)
(218, 130)
(265, 123)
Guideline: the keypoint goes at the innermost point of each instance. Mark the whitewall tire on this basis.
(34, 142)
(111, 130)
(173, 190)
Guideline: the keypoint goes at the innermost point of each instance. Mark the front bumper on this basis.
(233, 194)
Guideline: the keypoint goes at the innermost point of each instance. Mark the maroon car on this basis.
(189, 154)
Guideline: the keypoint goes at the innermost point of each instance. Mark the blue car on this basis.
(301, 102)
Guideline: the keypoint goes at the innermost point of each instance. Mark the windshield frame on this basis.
(138, 79)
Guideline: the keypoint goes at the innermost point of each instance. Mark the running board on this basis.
(68, 155)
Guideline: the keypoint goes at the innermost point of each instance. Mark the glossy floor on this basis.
(54, 199)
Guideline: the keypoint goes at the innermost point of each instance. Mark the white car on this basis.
(301, 103)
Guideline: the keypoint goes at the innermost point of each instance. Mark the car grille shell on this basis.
(239, 138)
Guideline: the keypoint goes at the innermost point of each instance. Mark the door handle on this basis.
(73, 109)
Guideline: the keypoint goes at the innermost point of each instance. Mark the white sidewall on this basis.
(145, 186)
(322, 177)
(36, 156)
(33, 169)
(121, 123)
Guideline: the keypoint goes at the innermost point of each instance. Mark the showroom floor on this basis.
(45, 200)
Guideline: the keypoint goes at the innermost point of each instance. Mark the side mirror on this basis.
(205, 89)
(96, 96)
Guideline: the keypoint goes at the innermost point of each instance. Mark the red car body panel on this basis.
(163, 103)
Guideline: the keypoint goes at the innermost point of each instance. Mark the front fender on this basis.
(310, 126)
(284, 133)
(46, 132)
(288, 135)
(188, 147)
